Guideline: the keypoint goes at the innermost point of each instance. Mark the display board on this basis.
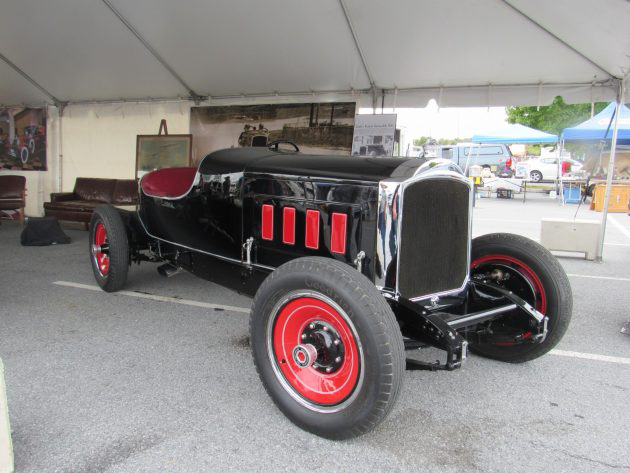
(317, 128)
(374, 135)
(162, 151)
(23, 139)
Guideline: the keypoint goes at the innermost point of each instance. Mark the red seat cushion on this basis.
(169, 183)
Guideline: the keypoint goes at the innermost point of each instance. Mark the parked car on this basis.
(351, 261)
(495, 157)
(543, 169)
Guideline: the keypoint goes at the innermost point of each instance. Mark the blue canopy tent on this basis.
(516, 134)
(600, 127)
(513, 134)
(612, 123)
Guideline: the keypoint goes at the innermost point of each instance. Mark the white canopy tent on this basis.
(399, 53)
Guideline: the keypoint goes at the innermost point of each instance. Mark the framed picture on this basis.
(162, 151)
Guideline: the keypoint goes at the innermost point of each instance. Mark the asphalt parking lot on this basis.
(160, 377)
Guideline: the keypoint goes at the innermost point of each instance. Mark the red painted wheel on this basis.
(109, 248)
(528, 270)
(315, 350)
(100, 249)
(327, 347)
(534, 292)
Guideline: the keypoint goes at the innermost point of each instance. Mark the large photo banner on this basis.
(23, 139)
(374, 135)
(317, 128)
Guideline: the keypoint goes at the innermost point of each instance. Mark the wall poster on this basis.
(317, 128)
(23, 139)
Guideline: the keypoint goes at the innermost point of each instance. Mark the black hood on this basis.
(262, 160)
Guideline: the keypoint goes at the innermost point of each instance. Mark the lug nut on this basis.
(336, 342)
(303, 336)
(329, 369)
(338, 359)
(311, 326)
(325, 328)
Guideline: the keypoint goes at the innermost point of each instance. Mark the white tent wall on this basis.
(100, 140)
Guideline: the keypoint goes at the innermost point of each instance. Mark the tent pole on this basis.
(60, 110)
(611, 170)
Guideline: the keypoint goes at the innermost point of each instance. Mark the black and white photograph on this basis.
(374, 135)
(320, 128)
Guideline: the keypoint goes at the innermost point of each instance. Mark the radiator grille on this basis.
(433, 253)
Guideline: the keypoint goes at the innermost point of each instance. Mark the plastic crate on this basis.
(572, 194)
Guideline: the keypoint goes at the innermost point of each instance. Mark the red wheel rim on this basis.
(100, 240)
(524, 270)
(312, 383)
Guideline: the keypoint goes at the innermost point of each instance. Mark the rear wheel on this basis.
(532, 273)
(327, 347)
(109, 248)
(536, 176)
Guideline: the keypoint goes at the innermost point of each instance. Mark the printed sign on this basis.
(374, 135)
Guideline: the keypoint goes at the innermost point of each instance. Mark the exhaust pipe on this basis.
(167, 270)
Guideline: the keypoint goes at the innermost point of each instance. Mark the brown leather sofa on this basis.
(12, 195)
(89, 193)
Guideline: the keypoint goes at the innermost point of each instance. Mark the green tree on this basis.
(421, 141)
(553, 118)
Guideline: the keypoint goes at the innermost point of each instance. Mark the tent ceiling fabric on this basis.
(461, 53)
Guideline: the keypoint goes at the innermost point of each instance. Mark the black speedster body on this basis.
(351, 261)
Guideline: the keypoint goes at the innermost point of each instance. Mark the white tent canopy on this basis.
(399, 53)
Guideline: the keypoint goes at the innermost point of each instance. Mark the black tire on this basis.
(558, 297)
(536, 176)
(377, 335)
(114, 278)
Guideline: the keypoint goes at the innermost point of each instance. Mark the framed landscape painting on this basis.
(162, 151)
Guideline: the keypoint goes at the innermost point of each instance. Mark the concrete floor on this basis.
(117, 383)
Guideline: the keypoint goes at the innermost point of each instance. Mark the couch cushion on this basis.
(94, 189)
(73, 205)
(125, 192)
(12, 186)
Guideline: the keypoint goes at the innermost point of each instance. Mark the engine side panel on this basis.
(327, 218)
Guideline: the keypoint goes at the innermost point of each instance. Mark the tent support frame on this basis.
(557, 38)
(32, 81)
(195, 97)
(611, 168)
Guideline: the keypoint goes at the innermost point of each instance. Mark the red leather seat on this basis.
(169, 183)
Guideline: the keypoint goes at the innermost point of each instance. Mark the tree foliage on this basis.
(553, 118)
(427, 140)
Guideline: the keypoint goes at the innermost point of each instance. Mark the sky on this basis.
(446, 122)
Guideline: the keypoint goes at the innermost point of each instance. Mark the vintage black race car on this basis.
(351, 261)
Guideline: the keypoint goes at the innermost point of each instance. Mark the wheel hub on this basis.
(100, 249)
(304, 355)
(327, 345)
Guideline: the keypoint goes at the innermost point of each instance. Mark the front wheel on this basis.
(532, 273)
(327, 347)
(109, 248)
(536, 176)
